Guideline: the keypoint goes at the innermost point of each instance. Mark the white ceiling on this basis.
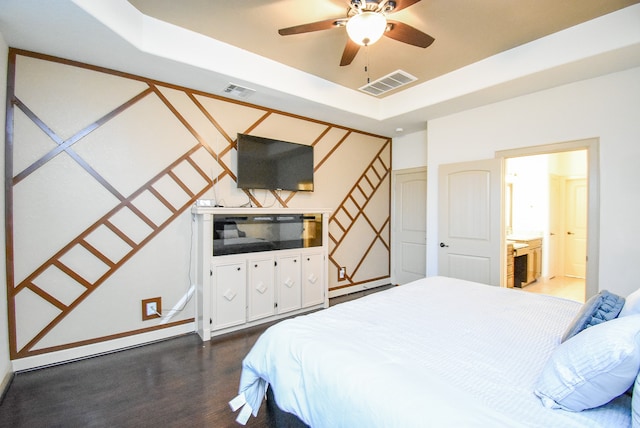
(485, 50)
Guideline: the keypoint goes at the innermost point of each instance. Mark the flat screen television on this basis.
(264, 163)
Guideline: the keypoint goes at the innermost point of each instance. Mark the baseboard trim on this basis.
(360, 287)
(95, 349)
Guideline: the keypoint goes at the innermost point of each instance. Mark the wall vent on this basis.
(238, 91)
(388, 83)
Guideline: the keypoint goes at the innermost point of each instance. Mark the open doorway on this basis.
(546, 206)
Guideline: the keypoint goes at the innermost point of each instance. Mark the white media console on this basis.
(256, 265)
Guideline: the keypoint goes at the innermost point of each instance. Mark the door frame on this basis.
(395, 218)
(592, 145)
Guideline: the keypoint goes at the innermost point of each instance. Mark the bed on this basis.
(447, 352)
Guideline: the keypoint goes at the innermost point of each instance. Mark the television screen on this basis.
(264, 163)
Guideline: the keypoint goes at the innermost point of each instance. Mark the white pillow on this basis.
(593, 367)
(631, 304)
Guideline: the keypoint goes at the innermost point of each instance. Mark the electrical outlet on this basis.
(151, 308)
(342, 273)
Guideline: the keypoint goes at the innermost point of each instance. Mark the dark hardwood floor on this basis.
(177, 382)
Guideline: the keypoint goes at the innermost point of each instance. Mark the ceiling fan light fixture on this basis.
(366, 28)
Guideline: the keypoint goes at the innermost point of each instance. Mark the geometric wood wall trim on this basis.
(377, 173)
(80, 242)
(353, 209)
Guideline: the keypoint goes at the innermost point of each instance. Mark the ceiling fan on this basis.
(366, 22)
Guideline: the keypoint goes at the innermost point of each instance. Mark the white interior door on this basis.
(410, 225)
(576, 227)
(556, 205)
(470, 221)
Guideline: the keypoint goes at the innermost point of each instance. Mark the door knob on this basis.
(442, 245)
(570, 233)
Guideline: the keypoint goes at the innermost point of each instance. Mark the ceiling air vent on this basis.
(238, 91)
(388, 83)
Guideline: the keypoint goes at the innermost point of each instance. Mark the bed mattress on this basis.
(435, 352)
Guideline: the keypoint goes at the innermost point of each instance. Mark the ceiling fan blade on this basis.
(349, 53)
(403, 4)
(407, 34)
(327, 24)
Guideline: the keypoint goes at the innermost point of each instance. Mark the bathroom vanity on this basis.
(527, 258)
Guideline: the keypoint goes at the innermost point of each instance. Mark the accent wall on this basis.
(102, 170)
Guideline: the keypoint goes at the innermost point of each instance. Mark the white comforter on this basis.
(436, 352)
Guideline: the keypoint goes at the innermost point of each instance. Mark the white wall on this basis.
(5, 363)
(530, 203)
(409, 151)
(606, 108)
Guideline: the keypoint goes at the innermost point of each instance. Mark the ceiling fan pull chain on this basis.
(366, 66)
